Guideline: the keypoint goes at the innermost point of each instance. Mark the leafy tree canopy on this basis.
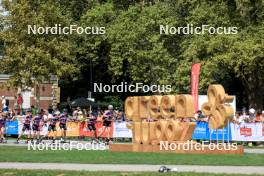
(33, 58)
(133, 49)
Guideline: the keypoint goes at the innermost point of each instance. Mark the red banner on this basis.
(195, 84)
(245, 132)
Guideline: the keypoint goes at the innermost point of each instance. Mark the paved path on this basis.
(133, 168)
(22, 144)
(257, 151)
(48, 142)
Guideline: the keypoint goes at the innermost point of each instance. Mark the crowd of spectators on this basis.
(243, 116)
(75, 114)
(91, 116)
(80, 114)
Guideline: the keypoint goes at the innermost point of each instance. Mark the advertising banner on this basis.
(242, 132)
(11, 127)
(100, 130)
(220, 134)
(201, 131)
(43, 129)
(73, 129)
(247, 132)
(121, 130)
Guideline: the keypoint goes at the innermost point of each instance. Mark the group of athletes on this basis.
(32, 125)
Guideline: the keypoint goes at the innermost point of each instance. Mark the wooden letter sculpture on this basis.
(167, 118)
(216, 108)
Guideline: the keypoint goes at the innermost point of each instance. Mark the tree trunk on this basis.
(255, 91)
(37, 96)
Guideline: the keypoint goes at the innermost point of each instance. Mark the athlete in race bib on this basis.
(108, 117)
(91, 125)
(37, 125)
(63, 124)
(26, 126)
(3, 119)
(53, 119)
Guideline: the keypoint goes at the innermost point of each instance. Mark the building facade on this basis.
(49, 93)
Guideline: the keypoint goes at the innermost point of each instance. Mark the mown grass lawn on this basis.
(13, 172)
(21, 154)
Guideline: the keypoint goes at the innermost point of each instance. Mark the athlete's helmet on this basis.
(252, 111)
(65, 111)
(57, 112)
(110, 107)
(29, 110)
(45, 117)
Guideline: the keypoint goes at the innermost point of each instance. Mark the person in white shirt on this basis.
(3, 103)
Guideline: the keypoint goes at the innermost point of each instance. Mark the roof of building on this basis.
(7, 76)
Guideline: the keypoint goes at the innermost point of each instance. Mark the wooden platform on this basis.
(157, 149)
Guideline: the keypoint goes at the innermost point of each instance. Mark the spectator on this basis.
(123, 116)
(50, 110)
(68, 106)
(11, 113)
(33, 110)
(238, 118)
(50, 113)
(20, 102)
(259, 116)
(119, 117)
(74, 113)
(200, 117)
(45, 115)
(3, 103)
(244, 117)
(252, 115)
(15, 104)
(7, 105)
(99, 112)
(79, 114)
(86, 112)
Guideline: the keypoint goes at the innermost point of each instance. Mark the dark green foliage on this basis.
(133, 50)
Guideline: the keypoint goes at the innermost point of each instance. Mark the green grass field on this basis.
(12, 172)
(21, 154)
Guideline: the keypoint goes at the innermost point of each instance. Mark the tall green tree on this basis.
(137, 48)
(138, 53)
(240, 55)
(34, 58)
(133, 49)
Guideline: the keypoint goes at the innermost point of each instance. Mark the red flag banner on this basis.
(195, 83)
